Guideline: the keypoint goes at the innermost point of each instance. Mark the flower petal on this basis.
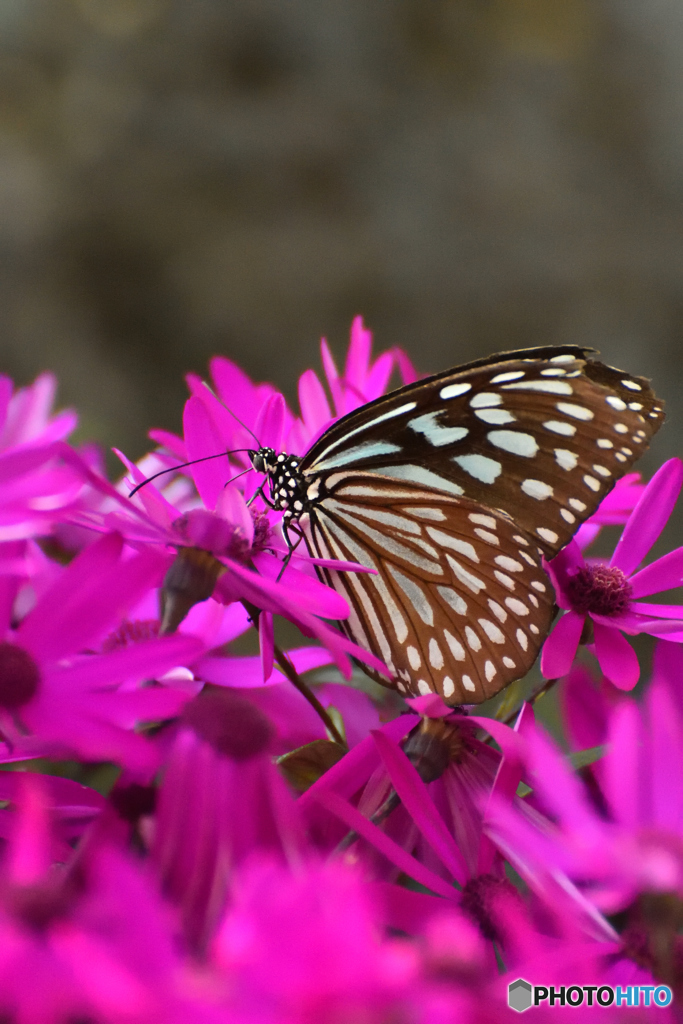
(649, 517)
(559, 650)
(664, 574)
(616, 656)
(203, 440)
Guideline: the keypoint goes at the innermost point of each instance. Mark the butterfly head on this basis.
(263, 460)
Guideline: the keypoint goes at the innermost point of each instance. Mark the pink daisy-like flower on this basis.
(222, 799)
(90, 941)
(56, 697)
(608, 595)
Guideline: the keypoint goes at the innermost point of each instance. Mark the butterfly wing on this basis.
(459, 603)
(542, 434)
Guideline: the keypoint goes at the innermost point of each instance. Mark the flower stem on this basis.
(295, 679)
(539, 692)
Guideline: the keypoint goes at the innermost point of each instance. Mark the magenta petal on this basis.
(315, 409)
(148, 660)
(666, 742)
(667, 611)
(616, 656)
(358, 357)
(560, 648)
(585, 710)
(417, 801)
(649, 517)
(664, 574)
(202, 440)
(270, 423)
(306, 592)
(332, 375)
(353, 819)
(622, 768)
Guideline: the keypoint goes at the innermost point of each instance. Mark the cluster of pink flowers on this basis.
(189, 835)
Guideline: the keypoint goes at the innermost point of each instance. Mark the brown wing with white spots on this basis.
(460, 604)
(541, 434)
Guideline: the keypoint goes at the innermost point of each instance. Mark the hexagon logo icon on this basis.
(519, 995)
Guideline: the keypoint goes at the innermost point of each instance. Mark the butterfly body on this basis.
(453, 489)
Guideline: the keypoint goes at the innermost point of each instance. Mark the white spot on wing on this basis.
(495, 416)
(537, 489)
(414, 658)
(457, 649)
(498, 611)
(415, 595)
(446, 540)
(479, 467)
(616, 403)
(493, 633)
(475, 517)
(448, 686)
(566, 459)
(419, 475)
(452, 598)
(460, 573)
(518, 607)
(435, 514)
(568, 516)
(510, 375)
(468, 684)
(485, 399)
(509, 663)
(551, 387)
(435, 655)
(578, 412)
(579, 505)
(591, 482)
(437, 433)
(508, 563)
(490, 538)
(454, 390)
(472, 639)
(631, 385)
(424, 687)
(368, 450)
(548, 535)
(559, 427)
(514, 441)
(522, 639)
(505, 580)
(489, 670)
(604, 442)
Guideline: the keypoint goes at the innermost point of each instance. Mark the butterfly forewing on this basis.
(459, 604)
(542, 435)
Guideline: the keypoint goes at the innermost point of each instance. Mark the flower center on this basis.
(230, 723)
(19, 676)
(601, 589)
(131, 632)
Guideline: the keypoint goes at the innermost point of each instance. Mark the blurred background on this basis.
(241, 176)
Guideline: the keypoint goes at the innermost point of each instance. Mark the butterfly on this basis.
(453, 489)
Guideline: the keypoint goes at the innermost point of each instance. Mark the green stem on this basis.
(294, 678)
(536, 695)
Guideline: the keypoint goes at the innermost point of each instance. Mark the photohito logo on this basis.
(522, 995)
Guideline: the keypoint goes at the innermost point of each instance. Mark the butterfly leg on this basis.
(261, 494)
(291, 545)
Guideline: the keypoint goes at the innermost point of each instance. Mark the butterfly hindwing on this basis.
(459, 604)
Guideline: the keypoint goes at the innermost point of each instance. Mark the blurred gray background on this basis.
(185, 177)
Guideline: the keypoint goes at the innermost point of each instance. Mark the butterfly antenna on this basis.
(182, 465)
(242, 424)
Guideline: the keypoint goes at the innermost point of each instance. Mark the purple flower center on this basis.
(19, 676)
(135, 632)
(601, 589)
(231, 724)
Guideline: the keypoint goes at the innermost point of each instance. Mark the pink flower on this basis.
(222, 799)
(88, 942)
(609, 594)
(56, 697)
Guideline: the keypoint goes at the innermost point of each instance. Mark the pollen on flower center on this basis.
(601, 589)
(19, 676)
